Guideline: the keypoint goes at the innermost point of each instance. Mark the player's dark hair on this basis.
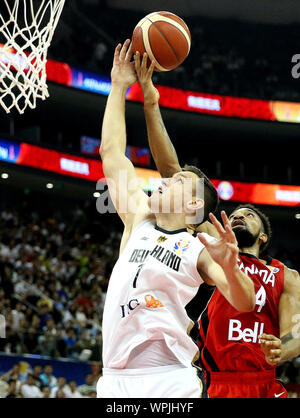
(211, 198)
(266, 225)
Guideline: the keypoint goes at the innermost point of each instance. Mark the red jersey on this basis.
(228, 339)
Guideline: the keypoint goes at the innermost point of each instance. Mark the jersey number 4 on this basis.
(261, 297)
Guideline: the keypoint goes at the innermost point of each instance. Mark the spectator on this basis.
(17, 316)
(30, 341)
(12, 342)
(47, 378)
(47, 344)
(61, 385)
(89, 387)
(71, 391)
(71, 341)
(84, 346)
(44, 313)
(37, 371)
(29, 390)
(60, 394)
(46, 391)
(12, 374)
(12, 389)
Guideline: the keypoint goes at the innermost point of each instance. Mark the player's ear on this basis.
(263, 237)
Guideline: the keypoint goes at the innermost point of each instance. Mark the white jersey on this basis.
(153, 280)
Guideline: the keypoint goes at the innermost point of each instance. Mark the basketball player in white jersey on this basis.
(147, 350)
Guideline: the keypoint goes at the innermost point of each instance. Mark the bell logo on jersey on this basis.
(236, 333)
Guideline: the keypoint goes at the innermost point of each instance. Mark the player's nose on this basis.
(238, 217)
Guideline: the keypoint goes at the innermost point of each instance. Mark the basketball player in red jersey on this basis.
(236, 365)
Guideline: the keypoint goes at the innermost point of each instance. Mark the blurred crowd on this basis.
(53, 281)
(227, 57)
(40, 382)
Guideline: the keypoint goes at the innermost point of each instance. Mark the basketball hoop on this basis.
(26, 31)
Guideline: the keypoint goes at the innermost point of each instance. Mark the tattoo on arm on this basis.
(286, 338)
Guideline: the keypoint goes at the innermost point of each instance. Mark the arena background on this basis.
(239, 122)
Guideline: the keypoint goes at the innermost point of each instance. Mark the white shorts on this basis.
(176, 381)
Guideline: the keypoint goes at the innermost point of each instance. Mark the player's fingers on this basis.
(144, 63)
(275, 353)
(271, 344)
(203, 240)
(129, 53)
(274, 361)
(124, 49)
(225, 218)
(117, 52)
(217, 225)
(268, 337)
(230, 236)
(137, 61)
(150, 70)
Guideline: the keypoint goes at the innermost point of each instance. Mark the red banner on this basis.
(208, 103)
(91, 169)
(258, 193)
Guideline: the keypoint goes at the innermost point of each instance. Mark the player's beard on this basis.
(244, 237)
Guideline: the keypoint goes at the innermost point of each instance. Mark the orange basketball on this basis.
(165, 37)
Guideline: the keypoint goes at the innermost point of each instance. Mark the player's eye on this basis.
(251, 214)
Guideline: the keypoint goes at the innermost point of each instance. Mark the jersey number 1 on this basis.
(137, 274)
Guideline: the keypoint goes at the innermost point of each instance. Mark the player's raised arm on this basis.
(288, 346)
(289, 315)
(218, 265)
(162, 149)
(120, 174)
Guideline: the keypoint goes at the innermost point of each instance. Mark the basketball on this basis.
(165, 37)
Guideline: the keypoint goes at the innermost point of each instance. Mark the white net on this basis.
(26, 31)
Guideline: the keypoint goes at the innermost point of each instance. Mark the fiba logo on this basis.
(225, 190)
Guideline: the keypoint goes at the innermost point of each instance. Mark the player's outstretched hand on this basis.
(271, 347)
(223, 251)
(123, 72)
(144, 74)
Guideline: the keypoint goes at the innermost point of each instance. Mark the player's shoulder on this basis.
(291, 280)
(291, 273)
(208, 228)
